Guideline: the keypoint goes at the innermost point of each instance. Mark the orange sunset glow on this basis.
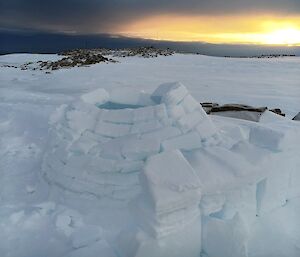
(220, 29)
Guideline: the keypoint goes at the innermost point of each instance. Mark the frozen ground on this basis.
(50, 216)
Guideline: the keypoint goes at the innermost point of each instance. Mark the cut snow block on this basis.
(190, 121)
(189, 104)
(224, 238)
(162, 134)
(98, 96)
(149, 113)
(272, 192)
(185, 242)
(220, 170)
(139, 149)
(80, 121)
(160, 112)
(117, 116)
(169, 93)
(112, 130)
(212, 203)
(206, 128)
(185, 142)
(159, 225)
(127, 166)
(266, 137)
(146, 126)
(176, 111)
(243, 201)
(113, 148)
(170, 182)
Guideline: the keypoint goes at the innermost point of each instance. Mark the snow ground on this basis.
(36, 220)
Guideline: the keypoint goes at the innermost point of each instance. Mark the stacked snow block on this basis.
(101, 151)
(167, 210)
(187, 115)
(225, 238)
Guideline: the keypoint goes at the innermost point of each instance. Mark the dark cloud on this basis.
(106, 15)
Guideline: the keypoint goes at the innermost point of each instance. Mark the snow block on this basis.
(79, 120)
(185, 242)
(149, 113)
(176, 111)
(227, 171)
(169, 93)
(159, 225)
(225, 238)
(206, 129)
(189, 104)
(139, 149)
(146, 126)
(113, 148)
(189, 121)
(112, 130)
(266, 138)
(98, 96)
(185, 142)
(170, 182)
(162, 134)
(117, 116)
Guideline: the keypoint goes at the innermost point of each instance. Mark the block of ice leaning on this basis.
(170, 181)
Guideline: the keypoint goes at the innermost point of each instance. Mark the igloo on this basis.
(99, 145)
(187, 178)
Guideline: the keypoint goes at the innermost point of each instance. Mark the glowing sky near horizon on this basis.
(218, 29)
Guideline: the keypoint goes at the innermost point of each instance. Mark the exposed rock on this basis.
(239, 111)
(146, 52)
(278, 111)
(75, 58)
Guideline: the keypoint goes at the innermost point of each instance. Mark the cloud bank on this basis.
(107, 16)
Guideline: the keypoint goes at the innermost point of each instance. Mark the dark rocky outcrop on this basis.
(239, 111)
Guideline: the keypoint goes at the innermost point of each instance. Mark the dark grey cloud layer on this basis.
(106, 15)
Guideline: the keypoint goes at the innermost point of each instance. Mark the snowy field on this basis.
(82, 177)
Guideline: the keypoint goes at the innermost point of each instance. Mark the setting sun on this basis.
(288, 36)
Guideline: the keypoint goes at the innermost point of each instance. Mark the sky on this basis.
(269, 22)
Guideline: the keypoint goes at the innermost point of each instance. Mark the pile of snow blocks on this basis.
(196, 185)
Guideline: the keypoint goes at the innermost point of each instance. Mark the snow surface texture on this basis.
(129, 173)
